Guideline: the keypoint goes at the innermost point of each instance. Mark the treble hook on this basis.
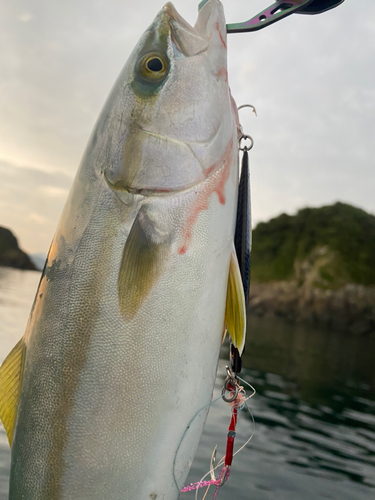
(279, 10)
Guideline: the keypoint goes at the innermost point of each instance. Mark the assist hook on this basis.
(279, 10)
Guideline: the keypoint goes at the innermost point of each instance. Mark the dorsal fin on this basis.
(11, 375)
(235, 311)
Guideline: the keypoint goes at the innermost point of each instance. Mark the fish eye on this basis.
(154, 67)
(155, 64)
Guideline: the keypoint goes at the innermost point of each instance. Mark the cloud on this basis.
(25, 17)
(54, 192)
(36, 218)
(31, 201)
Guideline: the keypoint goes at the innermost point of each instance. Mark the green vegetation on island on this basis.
(10, 253)
(334, 244)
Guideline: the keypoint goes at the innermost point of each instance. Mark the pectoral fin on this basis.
(235, 311)
(143, 260)
(11, 375)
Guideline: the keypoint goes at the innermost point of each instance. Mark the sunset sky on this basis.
(311, 79)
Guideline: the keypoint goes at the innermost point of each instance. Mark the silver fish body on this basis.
(123, 339)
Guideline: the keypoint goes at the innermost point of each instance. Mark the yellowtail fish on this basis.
(121, 347)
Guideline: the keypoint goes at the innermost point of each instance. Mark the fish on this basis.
(107, 392)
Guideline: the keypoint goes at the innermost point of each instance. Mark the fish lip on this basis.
(171, 10)
(190, 40)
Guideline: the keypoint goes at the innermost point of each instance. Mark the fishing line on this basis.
(184, 434)
(225, 472)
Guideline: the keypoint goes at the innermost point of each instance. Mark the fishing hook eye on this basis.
(230, 386)
(247, 138)
(225, 389)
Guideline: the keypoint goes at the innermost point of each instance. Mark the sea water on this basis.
(314, 410)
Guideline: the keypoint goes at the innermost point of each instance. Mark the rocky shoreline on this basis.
(316, 266)
(10, 253)
(350, 308)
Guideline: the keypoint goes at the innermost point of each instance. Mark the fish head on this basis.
(171, 112)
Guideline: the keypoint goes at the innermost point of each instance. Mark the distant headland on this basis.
(317, 266)
(10, 253)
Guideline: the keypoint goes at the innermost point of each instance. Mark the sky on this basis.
(311, 79)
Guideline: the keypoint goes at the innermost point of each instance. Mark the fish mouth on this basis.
(193, 40)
